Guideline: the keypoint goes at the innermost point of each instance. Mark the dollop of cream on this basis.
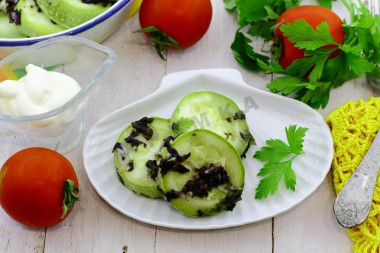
(39, 91)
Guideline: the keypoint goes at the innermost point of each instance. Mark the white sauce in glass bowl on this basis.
(39, 91)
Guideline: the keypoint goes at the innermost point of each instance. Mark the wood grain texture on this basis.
(96, 227)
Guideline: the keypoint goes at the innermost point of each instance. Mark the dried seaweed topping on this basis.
(174, 163)
(229, 202)
(104, 2)
(117, 146)
(206, 179)
(131, 166)
(239, 115)
(134, 142)
(248, 137)
(172, 195)
(141, 127)
(153, 168)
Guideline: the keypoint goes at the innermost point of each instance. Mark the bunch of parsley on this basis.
(360, 52)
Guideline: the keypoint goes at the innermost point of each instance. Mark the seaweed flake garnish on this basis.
(239, 115)
(134, 142)
(153, 168)
(131, 166)
(206, 179)
(141, 127)
(117, 146)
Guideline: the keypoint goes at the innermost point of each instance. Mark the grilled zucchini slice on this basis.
(200, 173)
(137, 144)
(218, 113)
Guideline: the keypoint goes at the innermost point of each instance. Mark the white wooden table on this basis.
(94, 226)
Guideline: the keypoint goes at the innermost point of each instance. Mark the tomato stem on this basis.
(70, 196)
(161, 41)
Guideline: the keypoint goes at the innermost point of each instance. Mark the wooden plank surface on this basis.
(94, 226)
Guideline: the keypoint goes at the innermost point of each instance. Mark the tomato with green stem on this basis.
(173, 23)
(38, 187)
(313, 15)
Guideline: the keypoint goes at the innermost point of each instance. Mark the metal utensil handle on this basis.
(353, 203)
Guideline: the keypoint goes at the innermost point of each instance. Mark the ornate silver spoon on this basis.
(353, 203)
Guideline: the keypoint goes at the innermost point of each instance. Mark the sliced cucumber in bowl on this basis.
(201, 173)
(139, 143)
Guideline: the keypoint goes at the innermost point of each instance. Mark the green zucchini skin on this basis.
(218, 113)
(137, 144)
(200, 173)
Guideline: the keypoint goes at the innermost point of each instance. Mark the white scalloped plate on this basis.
(267, 115)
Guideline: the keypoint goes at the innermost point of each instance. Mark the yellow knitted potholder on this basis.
(353, 127)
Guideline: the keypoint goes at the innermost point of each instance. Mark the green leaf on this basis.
(285, 84)
(279, 157)
(306, 37)
(251, 11)
(269, 184)
(290, 178)
(359, 65)
(261, 28)
(291, 3)
(274, 67)
(316, 95)
(182, 125)
(274, 152)
(314, 63)
(270, 12)
(160, 40)
(245, 54)
(295, 137)
(230, 5)
(326, 3)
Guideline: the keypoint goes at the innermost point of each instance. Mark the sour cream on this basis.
(39, 91)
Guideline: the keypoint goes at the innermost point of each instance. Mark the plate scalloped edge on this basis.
(267, 115)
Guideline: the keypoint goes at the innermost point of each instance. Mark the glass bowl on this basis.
(62, 128)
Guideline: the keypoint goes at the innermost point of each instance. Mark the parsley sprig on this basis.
(279, 157)
(310, 79)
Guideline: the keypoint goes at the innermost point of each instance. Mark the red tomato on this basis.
(314, 15)
(32, 186)
(184, 20)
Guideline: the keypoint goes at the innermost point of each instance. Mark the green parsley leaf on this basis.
(285, 84)
(270, 12)
(182, 125)
(315, 94)
(295, 137)
(326, 3)
(251, 11)
(279, 157)
(314, 63)
(230, 5)
(261, 28)
(161, 41)
(306, 37)
(274, 152)
(244, 52)
(274, 67)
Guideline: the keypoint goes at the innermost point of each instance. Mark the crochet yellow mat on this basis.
(353, 127)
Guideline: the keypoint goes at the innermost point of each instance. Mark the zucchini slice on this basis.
(200, 173)
(217, 113)
(137, 144)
